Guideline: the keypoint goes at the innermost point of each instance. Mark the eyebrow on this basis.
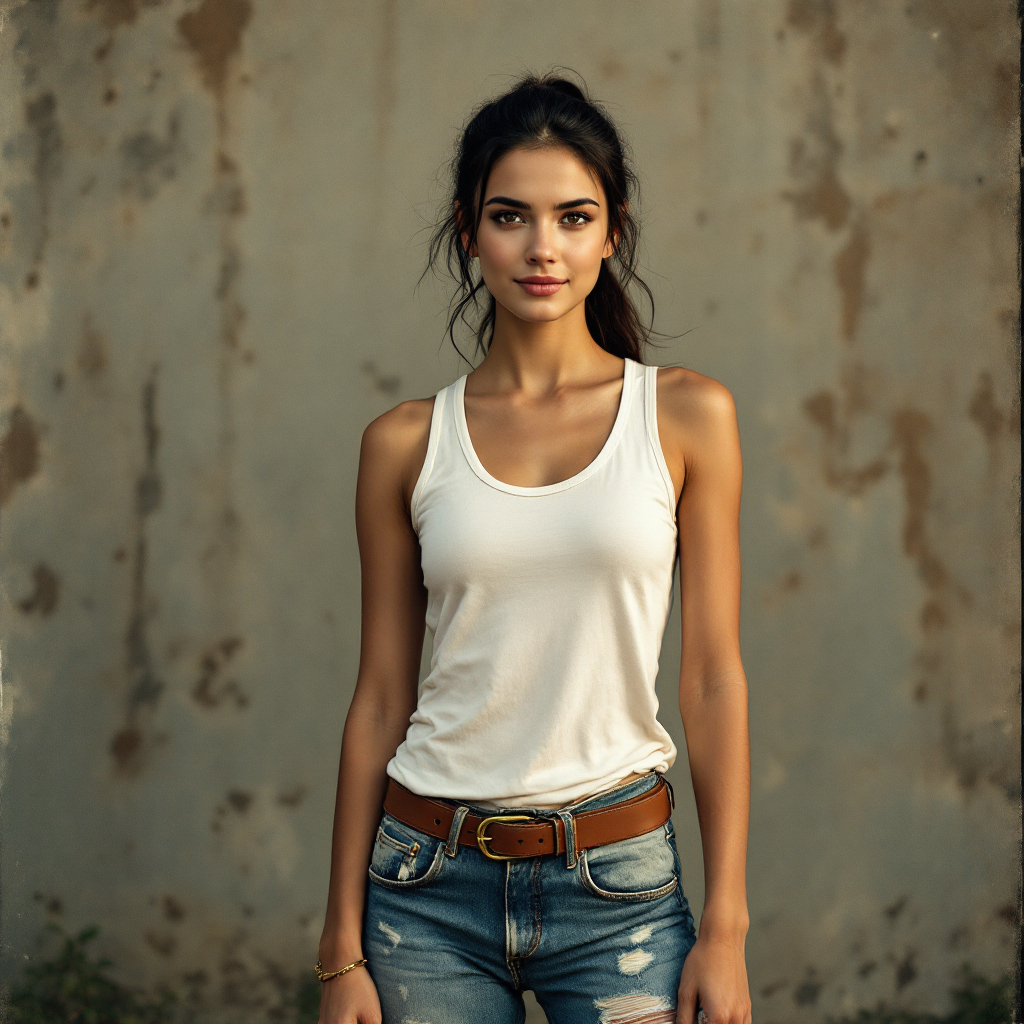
(520, 205)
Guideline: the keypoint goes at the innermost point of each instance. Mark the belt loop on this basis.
(570, 838)
(671, 792)
(452, 846)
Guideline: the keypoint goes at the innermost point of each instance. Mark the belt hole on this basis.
(520, 842)
(437, 821)
(540, 840)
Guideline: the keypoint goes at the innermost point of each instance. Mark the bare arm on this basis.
(701, 441)
(393, 608)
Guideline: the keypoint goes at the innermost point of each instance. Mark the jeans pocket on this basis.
(404, 857)
(632, 870)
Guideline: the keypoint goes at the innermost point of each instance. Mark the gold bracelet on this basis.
(318, 969)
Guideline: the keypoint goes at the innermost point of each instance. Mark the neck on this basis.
(540, 357)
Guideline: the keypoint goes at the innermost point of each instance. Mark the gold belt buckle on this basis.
(482, 839)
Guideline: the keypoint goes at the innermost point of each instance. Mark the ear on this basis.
(614, 237)
(470, 249)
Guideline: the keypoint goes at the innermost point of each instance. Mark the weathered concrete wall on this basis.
(211, 228)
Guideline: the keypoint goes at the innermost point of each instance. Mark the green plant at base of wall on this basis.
(72, 989)
(976, 1000)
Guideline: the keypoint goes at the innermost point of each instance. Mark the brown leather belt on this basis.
(511, 836)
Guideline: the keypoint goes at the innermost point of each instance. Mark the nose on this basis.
(541, 250)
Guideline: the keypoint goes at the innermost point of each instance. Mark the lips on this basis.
(541, 285)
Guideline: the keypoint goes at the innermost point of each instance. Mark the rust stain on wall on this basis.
(910, 428)
(213, 31)
(172, 909)
(813, 160)
(19, 453)
(162, 943)
(293, 797)
(45, 592)
(818, 19)
(823, 410)
(849, 268)
(115, 13)
(41, 116)
(92, 351)
(986, 414)
(144, 687)
(978, 56)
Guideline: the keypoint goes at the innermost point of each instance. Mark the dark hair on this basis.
(545, 111)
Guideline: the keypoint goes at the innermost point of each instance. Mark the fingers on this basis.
(686, 1006)
(713, 1016)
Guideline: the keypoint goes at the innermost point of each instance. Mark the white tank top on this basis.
(548, 606)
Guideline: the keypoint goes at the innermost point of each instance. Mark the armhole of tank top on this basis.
(436, 417)
(651, 413)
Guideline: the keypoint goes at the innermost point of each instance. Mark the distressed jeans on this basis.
(454, 938)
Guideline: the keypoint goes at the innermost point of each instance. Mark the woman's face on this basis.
(543, 233)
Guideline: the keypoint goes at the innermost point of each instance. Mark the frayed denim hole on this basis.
(570, 839)
(452, 846)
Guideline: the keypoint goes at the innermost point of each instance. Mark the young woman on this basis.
(532, 514)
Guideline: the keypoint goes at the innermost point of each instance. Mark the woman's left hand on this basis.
(715, 980)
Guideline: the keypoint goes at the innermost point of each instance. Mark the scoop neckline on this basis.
(462, 428)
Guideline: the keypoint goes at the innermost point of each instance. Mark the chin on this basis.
(537, 312)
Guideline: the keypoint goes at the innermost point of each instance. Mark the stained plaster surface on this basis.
(212, 222)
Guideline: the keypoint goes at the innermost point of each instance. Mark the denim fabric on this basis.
(454, 938)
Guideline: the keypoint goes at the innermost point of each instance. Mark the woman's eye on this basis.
(506, 217)
(575, 217)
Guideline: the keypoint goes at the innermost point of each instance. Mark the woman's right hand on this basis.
(350, 999)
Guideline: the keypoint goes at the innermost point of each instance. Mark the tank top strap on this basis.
(653, 437)
(442, 420)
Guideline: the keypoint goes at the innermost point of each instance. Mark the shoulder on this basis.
(394, 445)
(690, 403)
(399, 429)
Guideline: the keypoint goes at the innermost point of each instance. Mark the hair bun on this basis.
(564, 86)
